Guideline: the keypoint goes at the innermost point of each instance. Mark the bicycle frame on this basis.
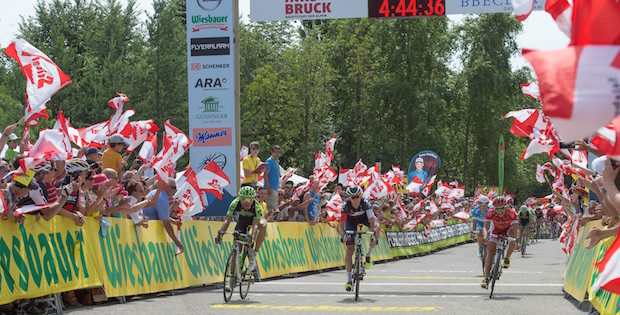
(239, 251)
(358, 266)
(500, 250)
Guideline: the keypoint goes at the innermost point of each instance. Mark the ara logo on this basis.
(211, 83)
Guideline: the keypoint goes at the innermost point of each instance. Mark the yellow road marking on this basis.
(329, 308)
(421, 277)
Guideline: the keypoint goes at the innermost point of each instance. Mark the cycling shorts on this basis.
(351, 225)
(523, 222)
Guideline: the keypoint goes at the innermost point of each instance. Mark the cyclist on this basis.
(501, 220)
(249, 211)
(526, 219)
(551, 218)
(479, 214)
(356, 211)
(539, 221)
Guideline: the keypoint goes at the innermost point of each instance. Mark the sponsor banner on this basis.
(580, 264)
(40, 258)
(604, 301)
(423, 166)
(412, 239)
(426, 248)
(276, 10)
(485, 6)
(212, 92)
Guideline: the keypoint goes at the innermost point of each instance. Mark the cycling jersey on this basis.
(501, 224)
(245, 216)
(479, 216)
(354, 217)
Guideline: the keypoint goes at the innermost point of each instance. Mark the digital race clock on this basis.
(405, 8)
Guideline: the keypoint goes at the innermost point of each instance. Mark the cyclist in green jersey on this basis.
(527, 217)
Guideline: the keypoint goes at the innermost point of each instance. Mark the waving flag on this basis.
(212, 179)
(329, 147)
(43, 78)
(64, 126)
(575, 87)
(531, 90)
(458, 192)
(3, 206)
(360, 168)
(522, 8)
(90, 134)
(117, 102)
(190, 195)
(593, 22)
(415, 186)
(540, 172)
(429, 185)
(121, 124)
(52, 145)
(149, 147)
(609, 277)
(334, 207)
(605, 139)
(579, 158)
(561, 12)
(141, 131)
(436, 223)
(345, 177)
(175, 145)
(462, 215)
(523, 121)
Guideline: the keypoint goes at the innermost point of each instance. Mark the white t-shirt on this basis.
(136, 216)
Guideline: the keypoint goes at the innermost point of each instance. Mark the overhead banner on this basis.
(212, 89)
(279, 10)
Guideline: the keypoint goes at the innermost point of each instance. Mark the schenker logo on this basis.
(213, 46)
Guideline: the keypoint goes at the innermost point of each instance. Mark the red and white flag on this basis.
(574, 85)
(148, 149)
(286, 175)
(175, 145)
(561, 11)
(462, 215)
(32, 208)
(428, 186)
(345, 177)
(531, 89)
(522, 8)
(436, 223)
(605, 139)
(52, 145)
(329, 147)
(523, 121)
(458, 192)
(212, 179)
(120, 124)
(593, 22)
(43, 78)
(118, 102)
(3, 206)
(334, 207)
(415, 186)
(609, 268)
(63, 124)
(188, 192)
(90, 134)
(140, 132)
(579, 158)
(360, 168)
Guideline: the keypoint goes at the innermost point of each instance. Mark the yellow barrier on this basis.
(40, 258)
(581, 273)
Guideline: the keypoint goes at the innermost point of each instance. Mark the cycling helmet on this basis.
(354, 191)
(247, 192)
(43, 167)
(524, 208)
(483, 199)
(76, 165)
(499, 202)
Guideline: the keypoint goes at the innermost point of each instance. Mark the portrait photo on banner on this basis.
(423, 166)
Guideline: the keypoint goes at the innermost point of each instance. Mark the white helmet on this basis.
(483, 199)
(76, 165)
(43, 167)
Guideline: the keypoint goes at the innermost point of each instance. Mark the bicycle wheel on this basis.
(246, 277)
(495, 272)
(229, 277)
(523, 243)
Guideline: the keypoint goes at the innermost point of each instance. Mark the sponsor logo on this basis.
(212, 110)
(209, 66)
(211, 83)
(210, 137)
(212, 46)
(308, 8)
(209, 5)
(208, 22)
(219, 158)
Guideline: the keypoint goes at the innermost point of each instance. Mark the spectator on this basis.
(93, 158)
(338, 189)
(138, 201)
(251, 163)
(75, 204)
(161, 210)
(115, 200)
(313, 209)
(17, 191)
(5, 135)
(112, 157)
(99, 189)
(4, 170)
(13, 150)
(272, 177)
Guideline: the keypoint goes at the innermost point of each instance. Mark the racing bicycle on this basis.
(496, 270)
(358, 264)
(237, 272)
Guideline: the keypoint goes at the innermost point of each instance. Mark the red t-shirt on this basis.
(503, 223)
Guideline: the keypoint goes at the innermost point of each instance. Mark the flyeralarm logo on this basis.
(212, 46)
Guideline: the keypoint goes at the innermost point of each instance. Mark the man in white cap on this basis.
(419, 172)
(12, 151)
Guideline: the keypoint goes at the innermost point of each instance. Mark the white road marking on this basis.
(413, 284)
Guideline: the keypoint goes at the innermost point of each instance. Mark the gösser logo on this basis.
(209, 5)
(212, 110)
(212, 46)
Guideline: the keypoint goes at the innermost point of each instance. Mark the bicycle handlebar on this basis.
(359, 232)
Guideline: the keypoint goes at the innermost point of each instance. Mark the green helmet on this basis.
(524, 208)
(247, 192)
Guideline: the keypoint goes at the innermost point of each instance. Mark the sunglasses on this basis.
(355, 197)
(500, 208)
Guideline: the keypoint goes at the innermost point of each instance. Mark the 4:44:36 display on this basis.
(404, 8)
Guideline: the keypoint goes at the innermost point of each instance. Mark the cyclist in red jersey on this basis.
(502, 219)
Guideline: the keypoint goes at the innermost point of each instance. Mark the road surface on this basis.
(445, 282)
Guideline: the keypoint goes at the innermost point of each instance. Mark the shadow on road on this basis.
(353, 301)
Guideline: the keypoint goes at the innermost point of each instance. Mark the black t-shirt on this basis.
(351, 211)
